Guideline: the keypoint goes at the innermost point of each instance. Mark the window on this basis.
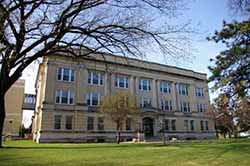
(65, 74)
(93, 99)
(64, 97)
(165, 87)
(206, 125)
(57, 122)
(29, 98)
(145, 85)
(100, 124)
(186, 125)
(128, 123)
(145, 102)
(166, 125)
(183, 89)
(192, 125)
(68, 125)
(121, 82)
(166, 105)
(185, 107)
(90, 124)
(202, 125)
(173, 124)
(199, 92)
(201, 107)
(95, 78)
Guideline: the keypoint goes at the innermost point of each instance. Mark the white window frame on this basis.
(165, 85)
(185, 104)
(143, 100)
(54, 121)
(62, 74)
(183, 89)
(148, 85)
(118, 79)
(100, 75)
(186, 124)
(201, 107)
(169, 103)
(199, 92)
(192, 125)
(90, 98)
(69, 95)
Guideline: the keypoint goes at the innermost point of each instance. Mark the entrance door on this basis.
(148, 127)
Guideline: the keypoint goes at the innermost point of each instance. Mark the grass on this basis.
(215, 152)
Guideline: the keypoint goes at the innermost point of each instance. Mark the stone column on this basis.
(83, 85)
(192, 98)
(131, 85)
(154, 92)
(111, 84)
(106, 84)
(136, 85)
(175, 96)
(158, 94)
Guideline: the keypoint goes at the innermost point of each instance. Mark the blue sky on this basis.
(205, 15)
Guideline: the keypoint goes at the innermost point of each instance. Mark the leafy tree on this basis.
(243, 114)
(241, 7)
(231, 116)
(224, 116)
(31, 29)
(119, 107)
(231, 70)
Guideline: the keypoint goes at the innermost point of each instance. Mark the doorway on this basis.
(148, 127)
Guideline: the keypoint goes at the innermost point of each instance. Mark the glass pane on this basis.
(64, 97)
(89, 77)
(66, 74)
(101, 79)
(57, 122)
(72, 75)
(95, 78)
(59, 74)
(69, 122)
(57, 96)
(71, 98)
(94, 98)
(90, 125)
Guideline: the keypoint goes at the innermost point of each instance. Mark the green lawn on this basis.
(230, 152)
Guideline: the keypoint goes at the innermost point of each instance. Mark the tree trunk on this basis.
(2, 116)
(118, 134)
(118, 137)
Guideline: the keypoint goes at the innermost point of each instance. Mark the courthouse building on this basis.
(69, 91)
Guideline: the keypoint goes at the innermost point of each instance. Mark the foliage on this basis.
(231, 117)
(119, 106)
(241, 7)
(231, 70)
(205, 153)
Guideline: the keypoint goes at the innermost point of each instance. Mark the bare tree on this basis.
(118, 107)
(240, 6)
(30, 29)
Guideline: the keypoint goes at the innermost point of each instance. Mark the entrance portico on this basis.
(149, 121)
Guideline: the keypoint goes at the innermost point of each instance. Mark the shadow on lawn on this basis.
(79, 146)
(232, 145)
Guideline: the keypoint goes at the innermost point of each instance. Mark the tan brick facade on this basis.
(50, 89)
(13, 105)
